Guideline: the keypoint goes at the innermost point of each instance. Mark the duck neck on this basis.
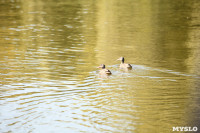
(122, 61)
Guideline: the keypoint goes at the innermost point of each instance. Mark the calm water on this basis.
(49, 52)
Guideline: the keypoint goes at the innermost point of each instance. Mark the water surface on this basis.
(49, 52)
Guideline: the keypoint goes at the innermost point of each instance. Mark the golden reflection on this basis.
(115, 38)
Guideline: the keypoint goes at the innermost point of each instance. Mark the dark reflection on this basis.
(151, 33)
(173, 27)
(9, 14)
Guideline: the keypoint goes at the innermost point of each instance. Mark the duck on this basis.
(103, 70)
(124, 65)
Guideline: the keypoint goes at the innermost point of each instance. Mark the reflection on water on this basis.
(49, 52)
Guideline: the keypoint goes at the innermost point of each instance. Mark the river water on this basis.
(50, 50)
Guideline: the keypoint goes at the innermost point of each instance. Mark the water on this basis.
(49, 52)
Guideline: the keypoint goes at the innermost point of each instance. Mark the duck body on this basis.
(124, 65)
(103, 70)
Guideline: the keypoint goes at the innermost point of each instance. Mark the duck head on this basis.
(121, 59)
(102, 66)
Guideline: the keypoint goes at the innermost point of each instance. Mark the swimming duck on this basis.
(124, 65)
(103, 70)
